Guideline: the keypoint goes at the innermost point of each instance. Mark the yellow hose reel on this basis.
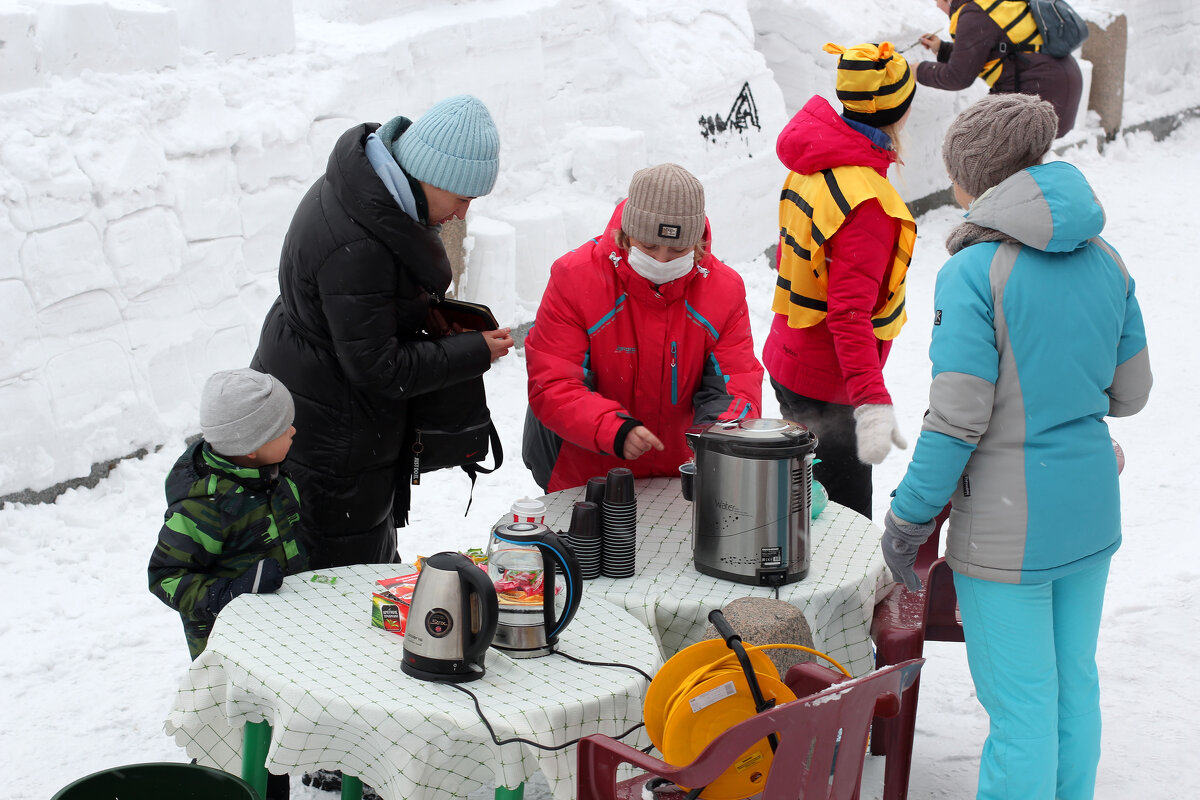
(703, 691)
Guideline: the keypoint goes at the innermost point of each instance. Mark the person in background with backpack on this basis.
(999, 41)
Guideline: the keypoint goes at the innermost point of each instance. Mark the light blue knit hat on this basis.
(454, 146)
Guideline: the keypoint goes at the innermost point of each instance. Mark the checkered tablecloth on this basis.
(307, 660)
(671, 598)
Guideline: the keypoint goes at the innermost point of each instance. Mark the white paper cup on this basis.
(527, 510)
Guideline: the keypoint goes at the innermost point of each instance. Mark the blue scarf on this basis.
(392, 176)
(877, 137)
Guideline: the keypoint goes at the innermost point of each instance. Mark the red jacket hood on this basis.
(818, 138)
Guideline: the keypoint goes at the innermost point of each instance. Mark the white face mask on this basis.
(660, 272)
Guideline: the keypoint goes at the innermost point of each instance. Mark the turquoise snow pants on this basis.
(1032, 653)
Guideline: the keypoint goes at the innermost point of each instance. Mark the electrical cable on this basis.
(548, 748)
(644, 674)
(517, 739)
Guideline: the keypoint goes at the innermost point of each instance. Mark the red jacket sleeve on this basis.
(860, 256)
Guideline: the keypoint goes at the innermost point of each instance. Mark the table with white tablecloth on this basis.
(846, 575)
(307, 660)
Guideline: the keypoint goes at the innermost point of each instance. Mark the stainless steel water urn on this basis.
(751, 500)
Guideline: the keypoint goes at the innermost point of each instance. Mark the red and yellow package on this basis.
(390, 602)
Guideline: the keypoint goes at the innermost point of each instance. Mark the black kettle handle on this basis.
(478, 583)
(555, 551)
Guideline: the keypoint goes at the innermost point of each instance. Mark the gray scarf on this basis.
(969, 233)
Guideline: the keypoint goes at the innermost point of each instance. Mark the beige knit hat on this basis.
(996, 138)
(665, 206)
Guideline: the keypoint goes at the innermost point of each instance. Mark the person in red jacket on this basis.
(845, 242)
(641, 333)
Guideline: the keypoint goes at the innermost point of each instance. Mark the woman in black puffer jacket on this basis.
(362, 262)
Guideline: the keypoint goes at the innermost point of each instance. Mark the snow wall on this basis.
(152, 153)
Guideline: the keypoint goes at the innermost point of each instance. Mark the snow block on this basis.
(144, 249)
(126, 167)
(76, 378)
(235, 27)
(358, 11)
(24, 439)
(51, 189)
(11, 240)
(490, 278)
(63, 262)
(206, 193)
(208, 268)
(540, 238)
(603, 159)
(111, 36)
(228, 348)
(19, 53)
(83, 316)
(266, 216)
(20, 346)
(260, 164)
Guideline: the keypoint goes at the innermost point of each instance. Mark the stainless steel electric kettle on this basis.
(451, 621)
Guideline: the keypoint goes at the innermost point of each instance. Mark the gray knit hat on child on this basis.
(996, 138)
(242, 409)
(665, 206)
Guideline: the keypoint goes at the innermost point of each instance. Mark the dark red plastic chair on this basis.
(810, 762)
(902, 623)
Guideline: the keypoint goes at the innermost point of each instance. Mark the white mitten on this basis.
(875, 428)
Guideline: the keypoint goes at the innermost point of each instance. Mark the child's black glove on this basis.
(262, 577)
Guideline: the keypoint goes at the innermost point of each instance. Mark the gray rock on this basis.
(764, 620)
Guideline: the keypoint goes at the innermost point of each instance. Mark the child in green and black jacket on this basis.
(232, 512)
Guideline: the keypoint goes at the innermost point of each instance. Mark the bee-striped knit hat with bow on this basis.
(874, 83)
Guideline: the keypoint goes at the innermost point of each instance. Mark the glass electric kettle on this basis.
(536, 602)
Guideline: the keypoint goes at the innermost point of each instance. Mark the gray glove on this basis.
(900, 543)
(876, 431)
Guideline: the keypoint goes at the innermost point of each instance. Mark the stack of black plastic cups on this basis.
(584, 538)
(619, 524)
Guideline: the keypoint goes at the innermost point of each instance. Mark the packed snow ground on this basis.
(90, 660)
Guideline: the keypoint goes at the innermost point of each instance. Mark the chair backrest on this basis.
(942, 620)
(155, 781)
(822, 743)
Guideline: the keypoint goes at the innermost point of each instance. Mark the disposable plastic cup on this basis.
(619, 486)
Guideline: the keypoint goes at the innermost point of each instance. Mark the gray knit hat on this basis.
(665, 206)
(242, 409)
(996, 138)
(454, 146)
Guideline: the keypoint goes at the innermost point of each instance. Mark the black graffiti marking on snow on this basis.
(743, 114)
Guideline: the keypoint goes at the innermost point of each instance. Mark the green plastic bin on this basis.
(158, 781)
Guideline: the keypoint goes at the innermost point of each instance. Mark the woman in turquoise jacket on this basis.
(1037, 336)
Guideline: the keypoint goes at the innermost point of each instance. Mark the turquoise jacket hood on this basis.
(1049, 207)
